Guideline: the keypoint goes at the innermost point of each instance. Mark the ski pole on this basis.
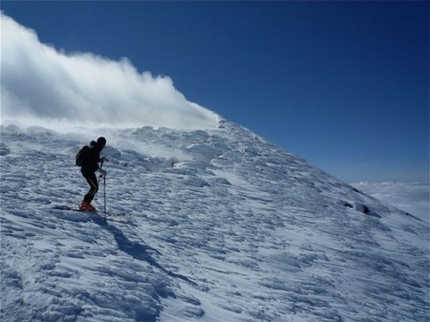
(104, 190)
(104, 194)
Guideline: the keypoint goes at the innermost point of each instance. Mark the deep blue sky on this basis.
(344, 85)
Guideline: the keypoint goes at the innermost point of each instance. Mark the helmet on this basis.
(101, 141)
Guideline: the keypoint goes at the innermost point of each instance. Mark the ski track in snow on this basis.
(228, 228)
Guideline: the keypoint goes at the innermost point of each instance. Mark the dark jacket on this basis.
(92, 158)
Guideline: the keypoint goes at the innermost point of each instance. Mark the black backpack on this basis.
(81, 156)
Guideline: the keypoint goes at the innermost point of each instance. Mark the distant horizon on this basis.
(410, 197)
(344, 85)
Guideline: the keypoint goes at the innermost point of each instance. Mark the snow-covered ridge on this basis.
(216, 225)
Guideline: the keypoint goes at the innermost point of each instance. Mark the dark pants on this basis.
(94, 185)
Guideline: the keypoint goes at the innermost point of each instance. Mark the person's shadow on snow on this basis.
(134, 249)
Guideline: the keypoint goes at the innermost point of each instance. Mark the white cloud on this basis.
(39, 82)
(412, 197)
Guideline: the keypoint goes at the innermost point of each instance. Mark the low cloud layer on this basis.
(43, 84)
(412, 197)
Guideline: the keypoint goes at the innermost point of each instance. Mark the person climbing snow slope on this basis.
(88, 158)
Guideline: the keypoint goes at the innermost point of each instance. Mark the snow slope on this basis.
(214, 225)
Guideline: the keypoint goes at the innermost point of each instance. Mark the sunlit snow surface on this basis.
(215, 225)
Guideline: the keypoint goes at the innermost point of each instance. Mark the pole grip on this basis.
(101, 166)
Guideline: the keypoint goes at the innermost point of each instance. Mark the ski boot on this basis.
(86, 206)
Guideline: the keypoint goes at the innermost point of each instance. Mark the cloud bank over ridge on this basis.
(40, 83)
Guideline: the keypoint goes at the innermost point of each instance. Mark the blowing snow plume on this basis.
(40, 84)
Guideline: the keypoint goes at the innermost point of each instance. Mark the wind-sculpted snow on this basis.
(213, 225)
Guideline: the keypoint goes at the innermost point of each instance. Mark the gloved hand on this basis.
(103, 159)
(103, 172)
